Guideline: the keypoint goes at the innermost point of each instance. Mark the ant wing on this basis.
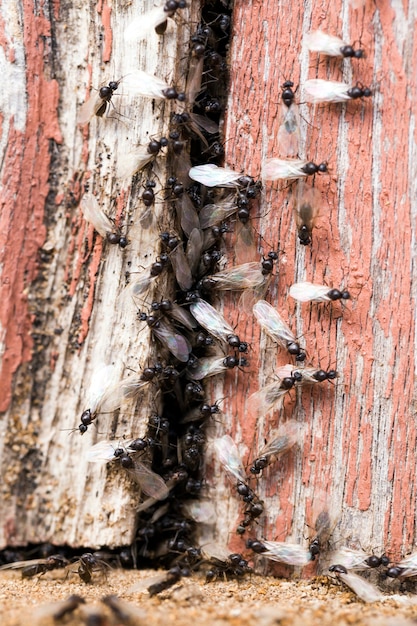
(140, 27)
(245, 276)
(269, 398)
(194, 248)
(211, 366)
(139, 83)
(318, 41)
(90, 108)
(177, 344)
(183, 317)
(349, 558)
(195, 73)
(228, 455)
(95, 215)
(212, 175)
(272, 323)
(22, 564)
(289, 131)
(308, 208)
(282, 439)
(409, 563)
(205, 124)
(201, 511)
(151, 484)
(365, 590)
(140, 284)
(320, 91)
(119, 392)
(103, 451)
(214, 214)
(103, 381)
(289, 553)
(245, 246)
(281, 169)
(128, 163)
(181, 268)
(187, 214)
(210, 319)
(306, 292)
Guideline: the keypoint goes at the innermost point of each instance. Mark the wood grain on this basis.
(358, 455)
(58, 315)
(65, 311)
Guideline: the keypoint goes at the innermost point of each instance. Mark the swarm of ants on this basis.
(195, 341)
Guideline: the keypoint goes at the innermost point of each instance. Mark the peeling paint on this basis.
(364, 241)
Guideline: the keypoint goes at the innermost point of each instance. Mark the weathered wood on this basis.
(359, 448)
(64, 310)
(358, 453)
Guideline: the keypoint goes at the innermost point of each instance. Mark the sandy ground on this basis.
(257, 601)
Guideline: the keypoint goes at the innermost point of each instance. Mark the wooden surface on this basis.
(358, 456)
(64, 312)
(58, 315)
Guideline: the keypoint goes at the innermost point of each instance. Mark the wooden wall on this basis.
(359, 451)
(60, 283)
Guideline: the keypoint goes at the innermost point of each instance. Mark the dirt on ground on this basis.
(255, 601)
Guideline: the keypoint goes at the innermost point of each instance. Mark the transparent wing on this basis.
(289, 553)
(177, 344)
(187, 214)
(245, 276)
(183, 316)
(104, 381)
(289, 131)
(195, 73)
(140, 284)
(307, 292)
(273, 324)
(318, 41)
(139, 83)
(22, 564)
(128, 163)
(181, 268)
(308, 207)
(245, 245)
(210, 319)
(282, 439)
(228, 455)
(283, 169)
(194, 249)
(204, 368)
(202, 511)
(102, 452)
(215, 551)
(151, 484)
(89, 109)
(320, 91)
(365, 590)
(250, 296)
(140, 27)
(212, 175)
(269, 398)
(351, 559)
(410, 563)
(214, 214)
(94, 214)
(285, 371)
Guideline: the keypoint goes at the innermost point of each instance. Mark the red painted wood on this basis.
(359, 446)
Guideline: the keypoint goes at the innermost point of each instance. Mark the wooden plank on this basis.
(58, 314)
(358, 453)
(65, 311)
